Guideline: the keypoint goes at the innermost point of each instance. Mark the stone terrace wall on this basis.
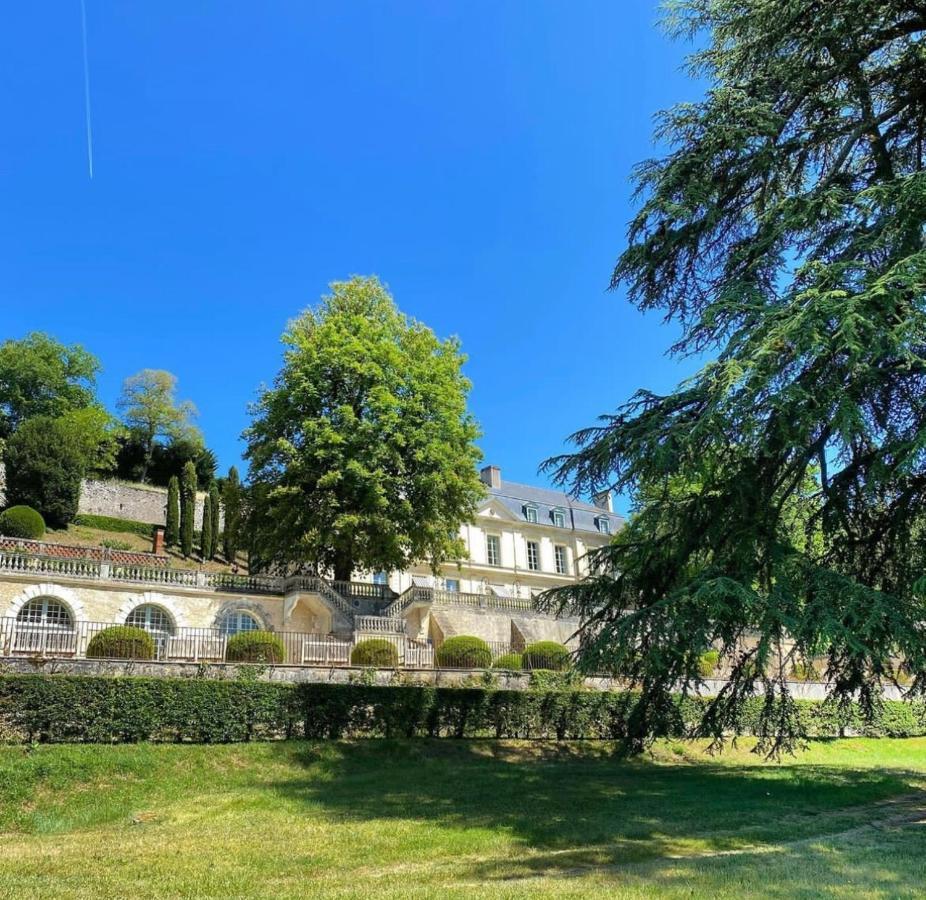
(123, 500)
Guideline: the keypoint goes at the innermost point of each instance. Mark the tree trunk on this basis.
(343, 568)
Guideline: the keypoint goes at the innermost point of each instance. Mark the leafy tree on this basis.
(172, 531)
(151, 411)
(40, 376)
(205, 542)
(43, 471)
(362, 452)
(231, 501)
(782, 231)
(187, 508)
(214, 513)
(94, 436)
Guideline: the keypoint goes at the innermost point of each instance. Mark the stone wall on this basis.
(123, 500)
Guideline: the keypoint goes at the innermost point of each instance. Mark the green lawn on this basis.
(460, 819)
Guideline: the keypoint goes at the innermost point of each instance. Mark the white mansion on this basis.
(523, 540)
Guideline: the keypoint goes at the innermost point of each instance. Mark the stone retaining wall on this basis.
(123, 500)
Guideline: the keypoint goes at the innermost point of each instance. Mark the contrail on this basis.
(83, 22)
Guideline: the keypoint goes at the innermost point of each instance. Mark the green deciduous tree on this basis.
(783, 232)
(40, 376)
(172, 531)
(187, 508)
(231, 501)
(43, 470)
(151, 412)
(362, 452)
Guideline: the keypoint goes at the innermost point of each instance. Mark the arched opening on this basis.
(154, 619)
(234, 621)
(45, 625)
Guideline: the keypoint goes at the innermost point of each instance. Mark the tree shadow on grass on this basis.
(569, 809)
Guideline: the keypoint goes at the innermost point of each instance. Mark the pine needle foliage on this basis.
(780, 492)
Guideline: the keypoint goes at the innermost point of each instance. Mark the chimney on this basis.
(491, 476)
(157, 542)
(603, 501)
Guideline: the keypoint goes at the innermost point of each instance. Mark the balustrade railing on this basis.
(362, 590)
(379, 624)
(28, 564)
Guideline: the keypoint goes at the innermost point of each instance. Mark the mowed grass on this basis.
(461, 819)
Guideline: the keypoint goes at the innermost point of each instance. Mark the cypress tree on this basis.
(187, 508)
(172, 532)
(205, 545)
(215, 509)
(231, 497)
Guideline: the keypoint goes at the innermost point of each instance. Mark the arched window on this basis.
(152, 618)
(236, 620)
(46, 612)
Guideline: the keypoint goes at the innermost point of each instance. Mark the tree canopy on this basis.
(362, 453)
(151, 412)
(40, 376)
(783, 231)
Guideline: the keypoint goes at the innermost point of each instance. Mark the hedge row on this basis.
(110, 523)
(104, 710)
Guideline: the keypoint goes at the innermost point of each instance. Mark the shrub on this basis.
(256, 647)
(707, 662)
(215, 509)
(804, 671)
(205, 543)
(121, 642)
(547, 655)
(111, 523)
(512, 661)
(22, 522)
(464, 652)
(43, 470)
(375, 652)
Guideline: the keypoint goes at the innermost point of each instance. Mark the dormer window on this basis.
(559, 518)
(603, 524)
(530, 512)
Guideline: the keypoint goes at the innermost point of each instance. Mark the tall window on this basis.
(562, 561)
(452, 585)
(380, 578)
(493, 550)
(530, 513)
(151, 618)
(533, 556)
(559, 518)
(237, 620)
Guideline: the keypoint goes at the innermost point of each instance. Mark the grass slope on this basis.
(460, 819)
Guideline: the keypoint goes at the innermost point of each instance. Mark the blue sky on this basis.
(476, 156)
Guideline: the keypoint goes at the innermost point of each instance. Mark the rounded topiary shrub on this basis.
(121, 642)
(547, 655)
(375, 652)
(509, 661)
(255, 647)
(707, 662)
(22, 522)
(464, 652)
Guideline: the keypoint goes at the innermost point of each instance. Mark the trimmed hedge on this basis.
(22, 522)
(511, 661)
(103, 710)
(110, 523)
(121, 642)
(547, 655)
(255, 647)
(375, 652)
(463, 652)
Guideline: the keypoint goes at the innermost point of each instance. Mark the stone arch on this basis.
(244, 605)
(65, 595)
(152, 598)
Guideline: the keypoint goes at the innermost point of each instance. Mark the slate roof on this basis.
(579, 515)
